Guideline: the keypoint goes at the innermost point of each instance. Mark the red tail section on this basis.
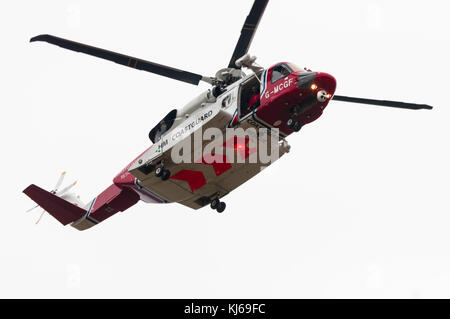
(112, 200)
(59, 208)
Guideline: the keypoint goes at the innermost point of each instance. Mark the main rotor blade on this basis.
(248, 31)
(402, 105)
(126, 60)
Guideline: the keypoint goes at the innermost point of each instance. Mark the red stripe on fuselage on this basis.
(220, 163)
(195, 179)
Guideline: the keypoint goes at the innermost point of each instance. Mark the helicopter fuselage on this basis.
(293, 96)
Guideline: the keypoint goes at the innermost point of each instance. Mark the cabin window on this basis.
(249, 96)
(280, 71)
(163, 126)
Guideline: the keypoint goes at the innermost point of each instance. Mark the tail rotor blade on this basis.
(40, 217)
(66, 189)
(60, 180)
(29, 210)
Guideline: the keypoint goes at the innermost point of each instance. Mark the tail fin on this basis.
(59, 208)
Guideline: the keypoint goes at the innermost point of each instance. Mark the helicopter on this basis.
(267, 104)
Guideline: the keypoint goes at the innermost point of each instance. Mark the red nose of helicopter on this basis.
(315, 89)
(320, 84)
(325, 85)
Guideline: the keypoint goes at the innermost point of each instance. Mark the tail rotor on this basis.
(55, 191)
(65, 189)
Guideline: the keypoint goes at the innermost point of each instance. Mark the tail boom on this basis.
(112, 200)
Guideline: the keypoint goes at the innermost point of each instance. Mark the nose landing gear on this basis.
(218, 205)
(162, 172)
(293, 124)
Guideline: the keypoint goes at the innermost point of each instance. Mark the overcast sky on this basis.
(358, 208)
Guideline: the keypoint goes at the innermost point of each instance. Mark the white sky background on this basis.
(358, 208)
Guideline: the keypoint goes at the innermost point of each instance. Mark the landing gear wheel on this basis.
(297, 126)
(215, 203)
(221, 207)
(159, 171)
(165, 174)
(290, 123)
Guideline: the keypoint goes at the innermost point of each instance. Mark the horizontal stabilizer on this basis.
(59, 208)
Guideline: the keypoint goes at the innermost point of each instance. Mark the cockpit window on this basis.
(295, 68)
(280, 71)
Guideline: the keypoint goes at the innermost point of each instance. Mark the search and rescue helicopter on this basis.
(281, 98)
